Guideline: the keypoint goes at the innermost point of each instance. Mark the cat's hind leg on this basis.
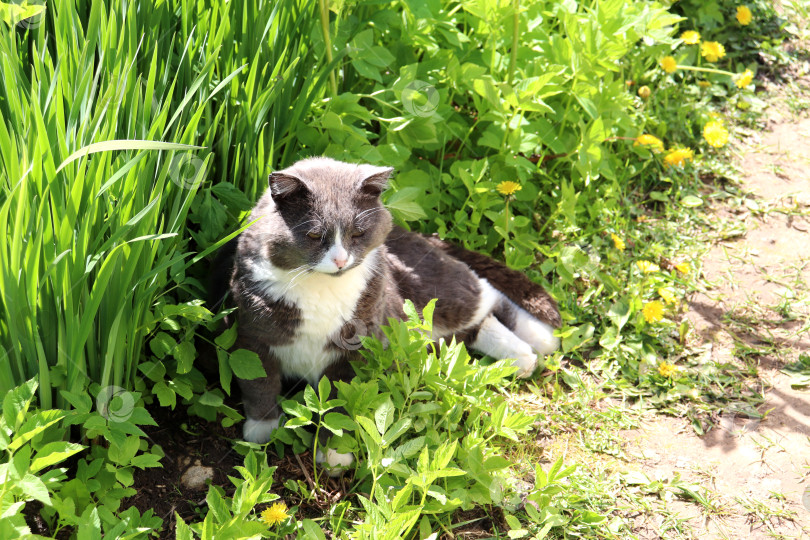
(496, 340)
(533, 331)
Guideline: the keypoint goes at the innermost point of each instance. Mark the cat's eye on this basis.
(315, 236)
(357, 233)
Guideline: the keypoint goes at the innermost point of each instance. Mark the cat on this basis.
(323, 259)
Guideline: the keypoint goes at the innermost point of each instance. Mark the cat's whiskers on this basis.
(300, 271)
(363, 216)
(303, 224)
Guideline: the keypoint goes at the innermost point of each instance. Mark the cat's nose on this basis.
(340, 261)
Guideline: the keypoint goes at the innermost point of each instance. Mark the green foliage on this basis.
(101, 237)
(88, 502)
(235, 517)
(429, 429)
(745, 43)
(134, 139)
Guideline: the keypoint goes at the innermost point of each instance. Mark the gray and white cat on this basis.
(323, 259)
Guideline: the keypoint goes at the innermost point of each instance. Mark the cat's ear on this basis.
(375, 180)
(283, 184)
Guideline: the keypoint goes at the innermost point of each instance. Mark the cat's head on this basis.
(331, 213)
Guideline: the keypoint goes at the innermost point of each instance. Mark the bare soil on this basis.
(757, 305)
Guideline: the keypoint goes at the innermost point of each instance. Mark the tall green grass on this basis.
(91, 234)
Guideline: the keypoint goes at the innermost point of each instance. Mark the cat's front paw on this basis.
(334, 462)
(526, 365)
(259, 431)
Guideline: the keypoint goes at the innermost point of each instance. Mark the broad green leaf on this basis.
(691, 201)
(384, 416)
(246, 364)
(312, 531)
(184, 353)
(53, 453)
(34, 488)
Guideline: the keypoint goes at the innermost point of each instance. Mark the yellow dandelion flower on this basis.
(669, 64)
(678, 157)
(690, 37)
(655, 144)
(712, 51)
(704, 84)
(715, 134)
(667, 370)
(667, 295)
(744, 15)
(647, 267)
(653, 311)
(507, 187)
(644, 92)
(275, 514)
(618, 242)
(745, 79)
(683, 268)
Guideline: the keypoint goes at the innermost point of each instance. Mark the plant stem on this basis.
(706, 70)
(327, 41)
(506, 229)
(515, 30)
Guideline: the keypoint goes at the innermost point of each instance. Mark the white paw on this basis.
(526, 365)
(536, 333)
(259, 431)
(335, 462)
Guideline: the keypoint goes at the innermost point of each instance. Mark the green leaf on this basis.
(398, 428)
(108, 146)
(231, 196)
(211, 399)
(404, 204)
(312, 531)
(691, 201)
(324, 389)
(34, 488)
(182, 531)
(610, 339)
(246, 364)
(13, 14)
(369, 427)
(581, 335)
(384, 416)
(185, 354)
(296, 410)
(311, 399)
(619, 313)
(143, 461)
(336, 423)
(33, 426)
(16, 403)
(227, 338)
(162, 344)
(166, 396)
(53, 453)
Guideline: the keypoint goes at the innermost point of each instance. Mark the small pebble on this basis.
(196, 476)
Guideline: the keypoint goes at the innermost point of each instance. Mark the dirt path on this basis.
(756, 313)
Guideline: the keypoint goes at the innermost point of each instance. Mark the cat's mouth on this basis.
(340, 271)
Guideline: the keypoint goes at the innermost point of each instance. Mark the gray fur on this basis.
(315, 198)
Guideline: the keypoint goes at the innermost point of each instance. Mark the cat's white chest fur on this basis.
(325, 303)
